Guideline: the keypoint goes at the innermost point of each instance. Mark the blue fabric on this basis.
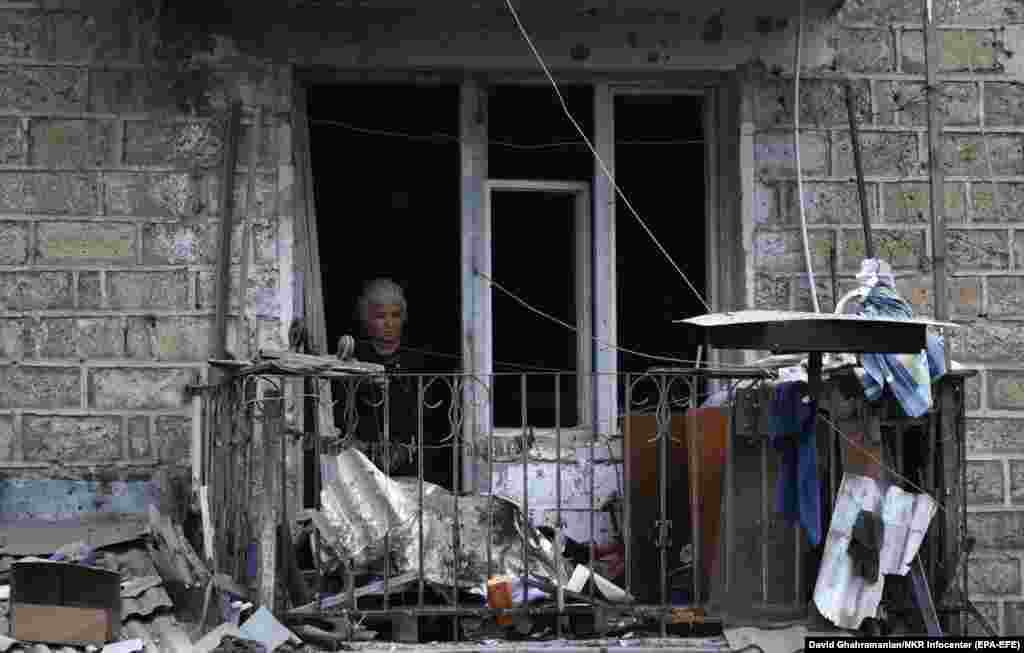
(908, 376)
(792, 427)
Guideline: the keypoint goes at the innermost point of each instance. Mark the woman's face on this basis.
(384, 324)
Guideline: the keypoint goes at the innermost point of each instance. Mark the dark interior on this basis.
(532, 139)
(659, 165)
(387, 201)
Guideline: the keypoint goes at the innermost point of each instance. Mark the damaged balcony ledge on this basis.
(576, 444)
(634, 645)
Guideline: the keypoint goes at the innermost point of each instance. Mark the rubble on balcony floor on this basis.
(151, 571)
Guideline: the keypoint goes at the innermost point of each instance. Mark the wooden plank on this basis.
(306, 223)
(949, 425)
(268, 526)
(227, 205)
(858, 166)
(255, 142)
(474, 255)
(936, 173)
(648, 79)
(584, 308)
(307, 239)
(643, 500)
(604, 265)
(38, 537)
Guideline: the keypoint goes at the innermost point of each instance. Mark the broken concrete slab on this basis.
(38, 537)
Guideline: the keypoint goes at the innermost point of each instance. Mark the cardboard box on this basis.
(63, 603)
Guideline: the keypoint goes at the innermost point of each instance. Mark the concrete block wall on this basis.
(879, 44)
(108, 238)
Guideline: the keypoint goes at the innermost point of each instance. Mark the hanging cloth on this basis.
(792, 429)
(908, 376)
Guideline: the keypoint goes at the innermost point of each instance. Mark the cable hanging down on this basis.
(597, 157)
(440, 138)
(796, 155)
(525, 304)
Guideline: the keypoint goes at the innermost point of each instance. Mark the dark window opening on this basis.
(531, 138)
(533, 254)
(387, 192)
(660, 166)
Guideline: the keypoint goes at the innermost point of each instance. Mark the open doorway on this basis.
(386, 184)
(540, 171)
(387, 199)
(541, 245)
(660, 164)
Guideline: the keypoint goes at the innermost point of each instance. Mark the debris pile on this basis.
(464, 549)
(121, 584)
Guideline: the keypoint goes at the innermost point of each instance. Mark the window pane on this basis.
(530, 136)
(533, 257)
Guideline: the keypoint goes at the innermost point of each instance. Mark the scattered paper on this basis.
(126, 646)
(610, 590)
(267, 630)
(578, 580)
(906, 518)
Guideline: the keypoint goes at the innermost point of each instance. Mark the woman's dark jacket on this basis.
(403, 404)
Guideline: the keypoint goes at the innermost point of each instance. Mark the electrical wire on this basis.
(867, 452)
(439, 354)
(597, 157)
(525, 304)
(796, 155)
(441, 138)
(535, 368)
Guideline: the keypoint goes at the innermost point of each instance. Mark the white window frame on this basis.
(583, 244)
(477, 336)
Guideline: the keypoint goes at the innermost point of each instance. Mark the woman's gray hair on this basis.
(381, 291)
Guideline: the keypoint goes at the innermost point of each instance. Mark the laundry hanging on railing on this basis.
(792, 427)
(908, 376)
(843, 595)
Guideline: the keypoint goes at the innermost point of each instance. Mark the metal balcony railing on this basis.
(384, 445)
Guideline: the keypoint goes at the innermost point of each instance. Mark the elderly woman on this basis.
(383, 314)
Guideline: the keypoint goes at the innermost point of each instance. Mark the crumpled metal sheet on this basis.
(842, 597)
(360, 505)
